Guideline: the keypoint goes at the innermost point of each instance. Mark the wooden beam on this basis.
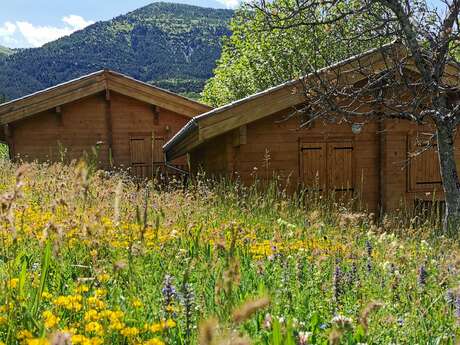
(150, 95)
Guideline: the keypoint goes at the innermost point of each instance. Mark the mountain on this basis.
(174, 46)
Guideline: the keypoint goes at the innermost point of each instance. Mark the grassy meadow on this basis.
(90, 257)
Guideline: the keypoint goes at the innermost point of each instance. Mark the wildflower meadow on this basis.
(91, 257)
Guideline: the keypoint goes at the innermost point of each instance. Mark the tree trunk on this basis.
(451, 183)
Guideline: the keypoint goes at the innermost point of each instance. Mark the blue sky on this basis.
(32, 23)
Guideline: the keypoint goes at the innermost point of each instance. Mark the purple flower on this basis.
(168, 291)
(422, 276)
(450, 297)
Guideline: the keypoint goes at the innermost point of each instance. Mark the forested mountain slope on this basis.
(174, 46)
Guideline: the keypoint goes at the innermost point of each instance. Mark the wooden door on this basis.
(141, 156)
(313, 167)
(340, 168)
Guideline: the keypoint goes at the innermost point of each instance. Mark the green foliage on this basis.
(4, 51)
(156, 43)
(257, 57)
(105, 259)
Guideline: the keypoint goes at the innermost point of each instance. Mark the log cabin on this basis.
(128, 121)
(250, 138)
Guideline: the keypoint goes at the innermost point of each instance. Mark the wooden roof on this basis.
(275, 99)
(94, 83)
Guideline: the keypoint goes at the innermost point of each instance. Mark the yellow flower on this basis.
(154, 341)
(100, 292)
(82, 289)
(24, 334)
(46, 295)
(92, 315)
(69, 302)
(94, 302)
(104, 278)
(94, 327)
(37, 341)
(164, 324)
(170, 323)
(3, 320)
(130, 332)
(137, 303)
(13, 283)
(50, 319)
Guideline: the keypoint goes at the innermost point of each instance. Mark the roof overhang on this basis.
(252, 108)
(94, 83)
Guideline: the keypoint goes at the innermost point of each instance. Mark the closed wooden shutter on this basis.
(141, 156)
(314, 166)
(424, 173)
(340, 167)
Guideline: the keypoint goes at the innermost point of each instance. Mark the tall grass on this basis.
(91, 257)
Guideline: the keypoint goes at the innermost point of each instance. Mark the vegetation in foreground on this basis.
(90, 257)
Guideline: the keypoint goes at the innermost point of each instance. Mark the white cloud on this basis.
(37, 36)
(7, 31)
(77, 22)
(230, 3)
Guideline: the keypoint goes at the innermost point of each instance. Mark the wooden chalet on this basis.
(127, 120)
(246, 139)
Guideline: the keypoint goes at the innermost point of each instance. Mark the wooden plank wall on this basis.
(131, 117)
(80, 125)
(397, 164)
(380, 154)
